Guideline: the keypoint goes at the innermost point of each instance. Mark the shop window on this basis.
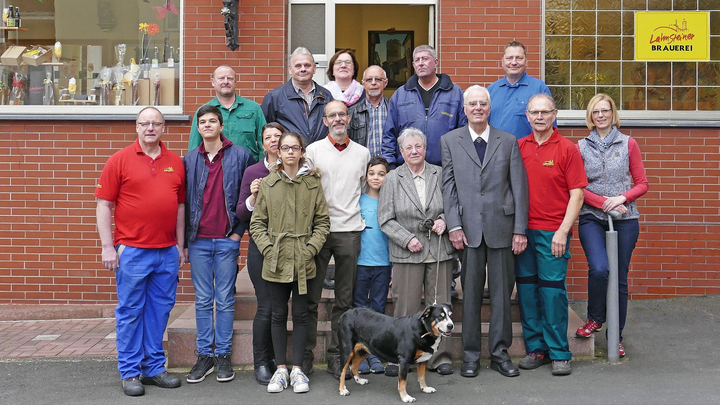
(90, 54)
(589, 48)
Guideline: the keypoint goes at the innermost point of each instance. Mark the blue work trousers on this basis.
(146, 286)
(213, 269)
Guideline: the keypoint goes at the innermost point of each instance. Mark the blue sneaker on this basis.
(364, 367)
(376, 366)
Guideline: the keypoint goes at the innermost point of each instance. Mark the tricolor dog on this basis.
(405, 341)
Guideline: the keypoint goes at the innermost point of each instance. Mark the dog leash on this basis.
(437, 267)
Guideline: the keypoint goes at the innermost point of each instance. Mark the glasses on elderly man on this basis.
(374, 80)
(153, 124)
(543, 113)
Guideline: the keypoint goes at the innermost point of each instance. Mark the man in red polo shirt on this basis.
(556, 178)
(146, 184)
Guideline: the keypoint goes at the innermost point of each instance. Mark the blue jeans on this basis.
(146, 286)
(213, 269)
(371, 287)
(592, 237)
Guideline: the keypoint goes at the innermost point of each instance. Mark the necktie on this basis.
(480, 146)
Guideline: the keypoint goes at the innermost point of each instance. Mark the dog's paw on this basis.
(360, 380)
(344, 392)
(428, 390)
(408, 398)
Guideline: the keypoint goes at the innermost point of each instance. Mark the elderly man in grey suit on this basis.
(410, 212)
(485, 192)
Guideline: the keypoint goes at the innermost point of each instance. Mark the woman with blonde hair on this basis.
(616, 178)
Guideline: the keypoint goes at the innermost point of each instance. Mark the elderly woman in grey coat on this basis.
(410, 212)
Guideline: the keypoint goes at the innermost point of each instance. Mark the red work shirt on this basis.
(214, 220)
(553, 168)
(146, 193)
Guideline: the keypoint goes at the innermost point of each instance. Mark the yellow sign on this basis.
(672, 36)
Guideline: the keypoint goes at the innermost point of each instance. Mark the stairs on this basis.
(181, 333)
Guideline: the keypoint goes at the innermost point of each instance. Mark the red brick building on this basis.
(50, 161)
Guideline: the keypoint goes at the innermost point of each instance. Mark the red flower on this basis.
(153, 29)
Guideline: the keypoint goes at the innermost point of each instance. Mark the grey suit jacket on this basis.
(400, 214)
(487, 198)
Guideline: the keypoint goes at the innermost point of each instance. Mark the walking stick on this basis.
(612, 310)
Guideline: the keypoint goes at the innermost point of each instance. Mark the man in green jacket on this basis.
(243, 118)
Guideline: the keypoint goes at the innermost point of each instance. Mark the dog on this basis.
(405, 341)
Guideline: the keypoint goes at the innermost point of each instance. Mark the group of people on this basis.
(393, 189)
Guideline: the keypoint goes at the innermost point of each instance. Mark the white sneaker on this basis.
(299, 381)
(279, 381)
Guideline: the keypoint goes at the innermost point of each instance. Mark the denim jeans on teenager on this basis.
(371, 287)
(592, 237)
(213, 269)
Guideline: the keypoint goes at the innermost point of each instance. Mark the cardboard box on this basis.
(37, 55)
(167, 85)
(12, 56)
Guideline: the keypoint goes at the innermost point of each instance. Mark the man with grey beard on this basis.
(368, 115)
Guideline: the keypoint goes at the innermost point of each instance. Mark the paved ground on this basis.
(673, 358)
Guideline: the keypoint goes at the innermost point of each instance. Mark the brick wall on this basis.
(49, 248)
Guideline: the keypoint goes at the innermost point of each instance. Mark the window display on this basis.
(90, 53)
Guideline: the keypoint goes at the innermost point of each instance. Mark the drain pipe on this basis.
(613, 312)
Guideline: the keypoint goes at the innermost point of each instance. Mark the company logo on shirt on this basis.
(169, 170)
(549, 163)
(98, 185)
(446, 113)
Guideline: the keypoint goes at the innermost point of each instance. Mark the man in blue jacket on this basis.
(429, 102)
(213, 172)
(298, 105)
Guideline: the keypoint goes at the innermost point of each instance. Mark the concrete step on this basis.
(182, 335)
(246, 303)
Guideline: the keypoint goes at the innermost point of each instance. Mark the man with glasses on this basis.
(342, 162)
(146, 184)
(298, 104)
(243, 119)
(429, 101)
(368, 116)
(511, 93)
(556, 179)
(485, 192)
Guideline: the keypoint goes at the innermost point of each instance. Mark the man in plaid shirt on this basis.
(368, 115)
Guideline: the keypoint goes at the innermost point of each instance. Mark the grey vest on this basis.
(608, 173)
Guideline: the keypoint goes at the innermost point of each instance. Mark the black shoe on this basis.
(329, 284)
(225, 371)
(133, 387)
(453, 293)
(263, 374)
(444, 369)
(392, 370)
(470, 369)
(486, 294)
(335, 368)
(204, 367)
(307, 366)
(506, 368)
(162, 380)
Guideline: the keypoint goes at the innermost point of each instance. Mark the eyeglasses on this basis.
(295, 148)
(153, 124)
(604, 111)
(343, 63)
(374, 80)
(473, 104)
(332, 116)
(543, 113)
